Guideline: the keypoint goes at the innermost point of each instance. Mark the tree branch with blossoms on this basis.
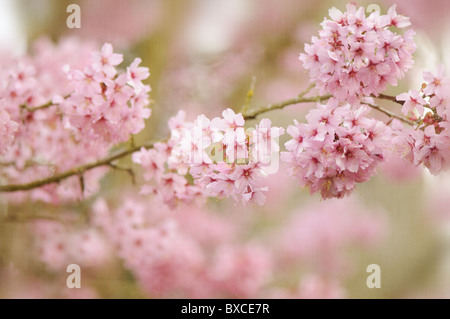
(40, 107)
(109, 160)
(96, 107)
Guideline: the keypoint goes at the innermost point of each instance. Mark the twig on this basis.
(13, 218)
(40, 107)
(129, 171)
(82, 185)
(391, 115)
(307, 90)
(388, 98)
(254, 112)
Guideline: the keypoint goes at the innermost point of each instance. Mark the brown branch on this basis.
(40, 107)
(391, 115)
(73, 172)
(254, 112)
(388, 98)
(14, 218)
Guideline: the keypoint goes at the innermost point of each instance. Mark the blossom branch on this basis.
(108, 161)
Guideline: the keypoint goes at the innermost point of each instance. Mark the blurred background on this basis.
(203, 55)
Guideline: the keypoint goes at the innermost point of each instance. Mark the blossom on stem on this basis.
(412, 102)
(427, 143)
(222, 159)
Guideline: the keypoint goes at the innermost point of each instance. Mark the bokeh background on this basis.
(203, 56)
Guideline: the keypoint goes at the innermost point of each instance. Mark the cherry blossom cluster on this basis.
(428, 142)
(337, 148)
(222, 157)
(73, 104)
(105, 104)
(43, 142)
(356, 56)
(164, 182)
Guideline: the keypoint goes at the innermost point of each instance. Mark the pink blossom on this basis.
(433, 150)
(222, 187)
(106, 60)
(434, 81)
(255, 196)
(46, 142)
(234, 130)
(87, 81)
(236, 169)
(427, 143)
(136, 73)
(297, 131)
(151, 161)
(413, 102)
(246, 175)
(397, 20)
